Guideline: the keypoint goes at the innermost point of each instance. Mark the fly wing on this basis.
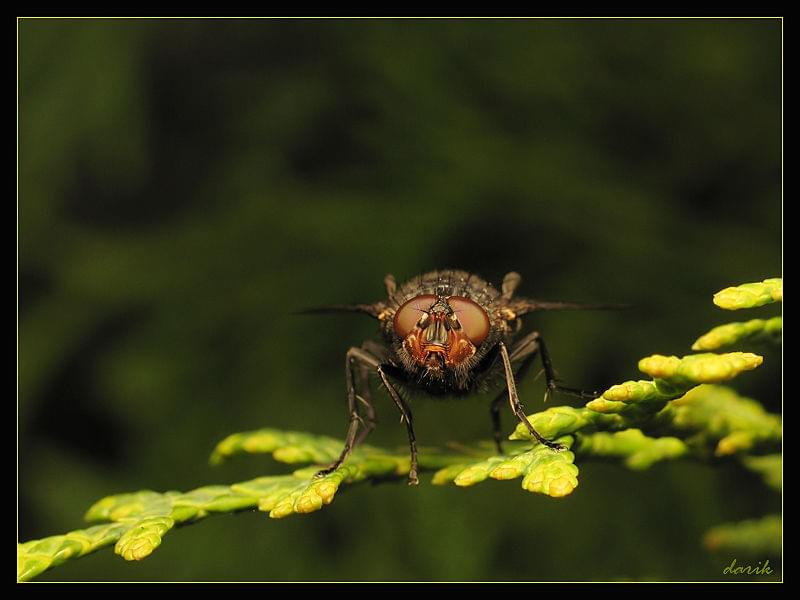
(373, 310)
(521, 306)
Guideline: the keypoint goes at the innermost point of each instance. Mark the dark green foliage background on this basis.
(185, 185)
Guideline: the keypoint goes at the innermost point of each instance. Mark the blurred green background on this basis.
(185, 185)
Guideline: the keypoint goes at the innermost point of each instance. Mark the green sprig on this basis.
(290, 447)
(753, 331)
(563, 420)
(753, 537)
(695, 369)
(750, 295)
(141, 519)
(638, 450)
(36, 556)
(722, 419)
(770, 467)
(543, 471)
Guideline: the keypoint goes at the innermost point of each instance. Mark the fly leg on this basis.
(550, 376)
(516, 406)
(365, 396)
(378, 351)
(526, 350)
(405, 416)
(364, 360)
(523, 351)
(365, 399)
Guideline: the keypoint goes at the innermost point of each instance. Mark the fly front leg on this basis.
(405, 416)
(366, 361)
(363, 360)
(516, 406)
(526, 350)
(523, 352)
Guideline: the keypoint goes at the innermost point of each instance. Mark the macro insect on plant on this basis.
(451, 333)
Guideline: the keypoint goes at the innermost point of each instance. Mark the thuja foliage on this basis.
(680, 411)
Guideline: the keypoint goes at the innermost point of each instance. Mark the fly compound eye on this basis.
(473, 319)
(414, 313)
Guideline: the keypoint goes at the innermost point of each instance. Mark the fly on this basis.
(447, 333)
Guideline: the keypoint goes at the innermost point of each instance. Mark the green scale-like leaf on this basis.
(753, 331)
(543, 470)
(770, 467)
(141, 519)
(723, 419)
(285, 446)
(750, 295)
(638, 450)
(752, 538)
(673, 377)
(37, 556)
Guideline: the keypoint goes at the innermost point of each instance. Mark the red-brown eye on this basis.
(408, 315)
(474, 320)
